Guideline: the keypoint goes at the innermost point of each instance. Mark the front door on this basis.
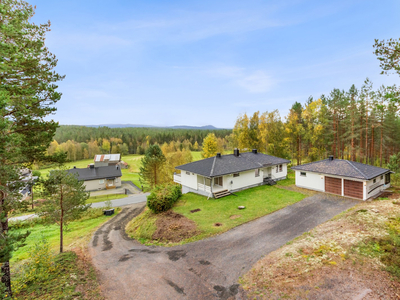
(267, 172)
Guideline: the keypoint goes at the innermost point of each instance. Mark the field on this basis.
(259, 201)
(130, 174)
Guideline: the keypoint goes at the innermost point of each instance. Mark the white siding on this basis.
(312, 181)
(94, 185)
(379, 184)
(189, 180)
(245, 179)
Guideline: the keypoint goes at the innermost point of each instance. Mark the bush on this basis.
(163, 197)
(38, 268)
(36, 173)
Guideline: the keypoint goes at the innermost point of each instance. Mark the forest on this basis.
(360, 124)
(80, 142)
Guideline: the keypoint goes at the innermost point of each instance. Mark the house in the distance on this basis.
(219, 175)
(103, 160)
(343, 177)
(99, 178)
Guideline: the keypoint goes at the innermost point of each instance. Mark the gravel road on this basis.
(207, 269)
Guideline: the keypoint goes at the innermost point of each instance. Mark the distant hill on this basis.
(206, 127)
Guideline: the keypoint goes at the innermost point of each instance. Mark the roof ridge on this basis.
(310, 163)
(212, 168)
(355, 168)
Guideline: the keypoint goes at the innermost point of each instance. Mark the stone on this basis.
(241, 207)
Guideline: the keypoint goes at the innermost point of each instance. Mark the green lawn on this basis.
(102, 198)
(290, 179)
(259, 201)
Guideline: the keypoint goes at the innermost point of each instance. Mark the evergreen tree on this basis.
(65, 200)
(152, 165)
(27, 95)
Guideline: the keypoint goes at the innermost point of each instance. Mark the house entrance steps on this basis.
(221, 194)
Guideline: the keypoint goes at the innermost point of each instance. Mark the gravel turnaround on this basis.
(207, 269)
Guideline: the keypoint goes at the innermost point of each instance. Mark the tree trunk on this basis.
(334, 137)
(61, 221)
(381, 148)
(353, 150)
(366, 132)
(5, 268)
(372, 145)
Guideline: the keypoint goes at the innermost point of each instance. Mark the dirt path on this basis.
(207, 269)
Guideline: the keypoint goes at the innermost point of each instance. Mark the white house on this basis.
(99, 178)
(220, 175)
(343, 177)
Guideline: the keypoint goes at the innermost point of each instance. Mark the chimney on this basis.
(330, 157)
(236, 152)
(92, 166)
(117, 167)
(254, 151)
(218, 154)
(74, 167)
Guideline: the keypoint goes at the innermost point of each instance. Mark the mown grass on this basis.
(290, 179)
(259, 201)
(102, 198)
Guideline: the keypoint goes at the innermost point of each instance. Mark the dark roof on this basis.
(107, 172)
(228, 164)
(341, 167)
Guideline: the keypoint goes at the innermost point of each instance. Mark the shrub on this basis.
(163, 197)
(38, 268)
(36, 173)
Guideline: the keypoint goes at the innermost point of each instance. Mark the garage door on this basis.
(333, 185)
(353, 189)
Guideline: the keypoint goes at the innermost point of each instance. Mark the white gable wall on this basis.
(379, 184)
(189, 180)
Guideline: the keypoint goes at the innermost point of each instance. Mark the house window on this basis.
(101, 181)
(304, 174)
(236, 174)
(257, 172)
(187, 173)
(116, 180)
(381, 177)
(280, 168)
(218, 181)
(277, 169)
(374, 181)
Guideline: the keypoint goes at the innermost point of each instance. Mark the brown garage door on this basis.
(333, 185)
(353, 189)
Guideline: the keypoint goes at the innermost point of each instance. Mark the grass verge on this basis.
(259, 201)
(102, 198)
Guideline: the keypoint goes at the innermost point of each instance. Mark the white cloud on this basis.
(257, 81)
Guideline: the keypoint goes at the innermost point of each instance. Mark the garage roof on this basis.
(342, 167)
(229, 164)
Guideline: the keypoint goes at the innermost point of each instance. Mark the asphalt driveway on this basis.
(207, 269)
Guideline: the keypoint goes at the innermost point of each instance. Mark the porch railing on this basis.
(203, 187)
(177, 178)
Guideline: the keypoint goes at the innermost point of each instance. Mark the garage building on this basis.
(343, 177)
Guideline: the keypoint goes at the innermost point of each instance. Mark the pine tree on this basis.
(27, 95)
(152, 165)
(65, 200)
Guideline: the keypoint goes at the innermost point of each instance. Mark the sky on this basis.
(197, 63)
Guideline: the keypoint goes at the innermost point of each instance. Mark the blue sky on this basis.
(205, 62)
